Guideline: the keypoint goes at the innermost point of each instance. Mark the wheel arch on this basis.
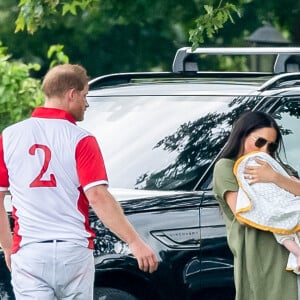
(135, 283)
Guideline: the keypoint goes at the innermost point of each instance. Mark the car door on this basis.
(216, 277)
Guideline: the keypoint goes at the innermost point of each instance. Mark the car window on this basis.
(161, 142)
(287, 116)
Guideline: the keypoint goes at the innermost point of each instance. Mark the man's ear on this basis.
(71, 94)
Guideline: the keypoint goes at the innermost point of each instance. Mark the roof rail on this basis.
(280, 80)
(122, 78)
(288, 58)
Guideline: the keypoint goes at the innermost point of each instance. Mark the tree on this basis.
(127, 35)
(34, 13)
(19, 91)
(207, 25)
(113, 36)
(149, 39)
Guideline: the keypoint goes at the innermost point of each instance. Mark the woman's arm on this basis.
(265, 173)
(231, 198)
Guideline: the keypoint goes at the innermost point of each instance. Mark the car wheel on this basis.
(112, 294)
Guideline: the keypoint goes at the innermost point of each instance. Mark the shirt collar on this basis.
(52, 113)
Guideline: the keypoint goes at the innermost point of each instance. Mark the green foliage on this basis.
(35, 13)
(57, 55)
(233, 64)
(207, 25)
(19, 93)
(111, 36)
(71, 7)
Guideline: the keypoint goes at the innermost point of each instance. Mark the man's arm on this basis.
(5, 231)
(111, 214)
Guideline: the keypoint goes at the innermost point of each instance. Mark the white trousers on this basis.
(53, 270)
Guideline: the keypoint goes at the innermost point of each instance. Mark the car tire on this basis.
(111, 294)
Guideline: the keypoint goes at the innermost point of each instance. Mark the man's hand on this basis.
(111, 214)
(146, 258)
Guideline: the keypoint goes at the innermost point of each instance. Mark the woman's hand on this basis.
(262, 172)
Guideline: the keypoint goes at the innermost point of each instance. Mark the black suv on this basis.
(160, 134)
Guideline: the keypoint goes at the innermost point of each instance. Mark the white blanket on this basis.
(266, 206)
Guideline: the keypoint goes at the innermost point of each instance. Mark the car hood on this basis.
(133, 200)
(131, 194)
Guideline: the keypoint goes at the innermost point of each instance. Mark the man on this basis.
(55, 170)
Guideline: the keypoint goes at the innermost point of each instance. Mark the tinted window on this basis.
(161, 142)
(287, 115)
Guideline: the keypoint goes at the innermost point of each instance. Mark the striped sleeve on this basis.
(89, 163)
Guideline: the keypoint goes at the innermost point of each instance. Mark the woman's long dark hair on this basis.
(245, 125)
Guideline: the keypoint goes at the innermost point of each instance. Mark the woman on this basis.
(259, 261)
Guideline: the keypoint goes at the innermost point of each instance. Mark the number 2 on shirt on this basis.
(38, 181)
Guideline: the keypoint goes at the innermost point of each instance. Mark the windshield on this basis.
(161, 142)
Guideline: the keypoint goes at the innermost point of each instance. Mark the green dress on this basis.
(259, 261)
